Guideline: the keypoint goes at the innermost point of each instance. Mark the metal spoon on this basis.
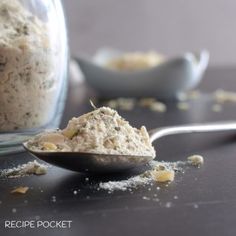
(104, 163)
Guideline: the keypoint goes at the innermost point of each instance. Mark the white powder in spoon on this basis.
(101, 131)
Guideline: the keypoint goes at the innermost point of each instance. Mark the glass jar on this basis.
(33, 69)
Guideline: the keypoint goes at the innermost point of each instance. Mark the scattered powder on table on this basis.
(216, 108)
(128, 104)
(124, 185)
(158, 107)
(53, 199)
(168, 204)
(221, 96)
(193, 94)
(13, 210)
(145, 178)
(183, 106)
(30, 168)
(152, 104)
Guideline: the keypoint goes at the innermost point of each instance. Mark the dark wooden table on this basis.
(206, 197)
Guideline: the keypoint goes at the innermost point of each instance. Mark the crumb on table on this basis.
(195, 160)
(21, 190)
(163, 175)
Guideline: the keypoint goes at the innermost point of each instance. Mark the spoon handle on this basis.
(192, 128)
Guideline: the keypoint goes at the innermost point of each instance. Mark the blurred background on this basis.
(170, 27)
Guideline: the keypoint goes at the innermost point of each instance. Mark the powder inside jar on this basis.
(27, 81)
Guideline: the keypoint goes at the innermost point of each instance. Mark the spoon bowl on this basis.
(91, 162)
(106, 163)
